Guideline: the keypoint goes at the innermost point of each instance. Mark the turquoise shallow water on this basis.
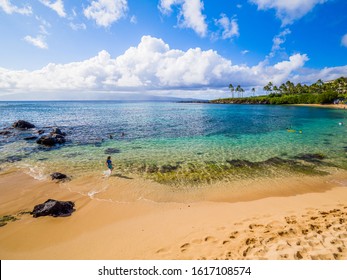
(173, 140)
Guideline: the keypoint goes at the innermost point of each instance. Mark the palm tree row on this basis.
(239, 90)
(339, 85)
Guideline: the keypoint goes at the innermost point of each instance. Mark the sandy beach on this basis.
(329, 106)
(305, 219)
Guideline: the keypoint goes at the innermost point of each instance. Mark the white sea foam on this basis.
(36, 172)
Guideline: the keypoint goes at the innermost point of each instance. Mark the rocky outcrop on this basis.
(59, 176)
(51, 140)
(23, 125)
(58, 131)
(56, 136)
(54, 208)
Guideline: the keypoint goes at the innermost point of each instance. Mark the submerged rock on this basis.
(40, 131)
(112, 151)
(23, 125)
(152, 168)
(30, 138)
(313, 158)
(241, 163)
(168, 168)
(5, 132)
(54, 208)
(51, 140)
(13, 158)
(58, 131)
(59, 176)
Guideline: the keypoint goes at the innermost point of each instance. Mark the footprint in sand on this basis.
(255, 226)
(162, 251)
(210, 239)
(184, 247)
(233, 235)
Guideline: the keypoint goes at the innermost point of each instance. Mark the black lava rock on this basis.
(51, 140)
(58, 131)
(30, 138)
(59, 176)
(54, 208)
(23, 124)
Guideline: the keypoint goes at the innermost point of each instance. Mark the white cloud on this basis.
(9, 8)
(77, 26)
(288, 11)
(278, 40)
(190, 15)
(133, 19)
(57, 6)
(152, 66)
(228, 27)
(106, 12)
(245, 52)
(38, 41)
(344, 40)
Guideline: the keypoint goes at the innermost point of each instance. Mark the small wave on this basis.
(342, 183)
(36, 172)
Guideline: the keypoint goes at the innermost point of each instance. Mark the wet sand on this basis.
(130, 218)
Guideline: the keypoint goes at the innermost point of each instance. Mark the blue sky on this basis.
(59, 49)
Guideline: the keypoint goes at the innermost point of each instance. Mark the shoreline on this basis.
(285, 225)
(329, 106)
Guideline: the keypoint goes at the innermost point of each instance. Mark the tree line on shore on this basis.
(289, 93)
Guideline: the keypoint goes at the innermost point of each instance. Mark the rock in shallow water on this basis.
(23, 124)
(59, 176)
(51, 140)
(112, 151)
(54, 208)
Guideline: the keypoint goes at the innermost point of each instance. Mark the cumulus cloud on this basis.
(190, 14)
(106, 12)
(152, 66)
(344, 40)
(288, 11)
(57, 6)
(9, 8)
(227, 27)
(38, 41)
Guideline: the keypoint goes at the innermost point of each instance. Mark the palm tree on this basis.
(268, 87)
(238, 89)
(232, 89)
(253, 91)
(275, 89)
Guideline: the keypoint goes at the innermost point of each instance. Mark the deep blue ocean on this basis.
(140, 134)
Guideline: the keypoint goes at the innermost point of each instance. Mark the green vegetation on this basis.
(289, 93)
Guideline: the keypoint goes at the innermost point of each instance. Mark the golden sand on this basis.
(129, 218)
(329, 106)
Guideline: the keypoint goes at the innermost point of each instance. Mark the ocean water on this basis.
(175, 143)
